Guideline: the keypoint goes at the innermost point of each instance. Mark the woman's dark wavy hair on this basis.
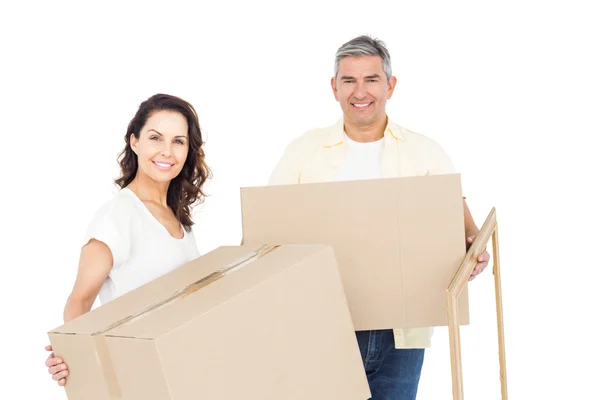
(185, 190)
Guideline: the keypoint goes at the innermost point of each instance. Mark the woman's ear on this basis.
(133, 142)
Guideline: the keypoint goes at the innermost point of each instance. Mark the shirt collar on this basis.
(336, 135)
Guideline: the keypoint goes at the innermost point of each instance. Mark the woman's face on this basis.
(163, 146)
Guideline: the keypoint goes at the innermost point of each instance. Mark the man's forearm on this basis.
(471, 228)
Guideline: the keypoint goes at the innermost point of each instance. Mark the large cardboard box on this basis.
(247, 322)
(398, 241)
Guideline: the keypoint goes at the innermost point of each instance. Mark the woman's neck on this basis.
(149, 190)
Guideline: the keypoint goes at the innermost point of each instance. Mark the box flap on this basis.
(138, 299)
(233, 276)
(207, 298)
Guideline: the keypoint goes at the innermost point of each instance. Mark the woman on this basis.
(145, 230)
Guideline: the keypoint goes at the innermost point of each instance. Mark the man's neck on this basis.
(366, 133)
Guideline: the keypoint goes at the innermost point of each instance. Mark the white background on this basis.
(510, 89)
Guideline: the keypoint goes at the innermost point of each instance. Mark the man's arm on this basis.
(471, 228)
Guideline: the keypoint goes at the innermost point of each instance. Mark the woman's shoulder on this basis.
(120, 208)
(112, 224)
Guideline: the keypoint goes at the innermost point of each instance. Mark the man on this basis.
(364, 144)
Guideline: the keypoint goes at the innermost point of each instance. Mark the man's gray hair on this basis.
(364, 46)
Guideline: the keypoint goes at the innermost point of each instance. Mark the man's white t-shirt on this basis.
(361, 160)
(141, 246)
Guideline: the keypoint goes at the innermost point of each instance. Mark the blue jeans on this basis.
(393, 374)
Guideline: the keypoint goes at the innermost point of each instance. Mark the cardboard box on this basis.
(398, 241)
(247, 322)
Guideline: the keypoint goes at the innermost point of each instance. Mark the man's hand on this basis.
(482, 259)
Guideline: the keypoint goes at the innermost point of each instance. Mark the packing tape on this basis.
(106, 365)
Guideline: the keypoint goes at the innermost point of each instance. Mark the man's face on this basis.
(362, 89)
